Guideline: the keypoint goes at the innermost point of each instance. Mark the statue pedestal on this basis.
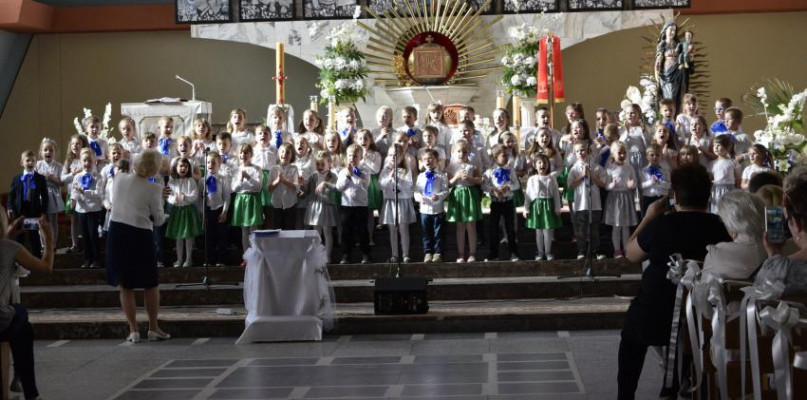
(422, 96)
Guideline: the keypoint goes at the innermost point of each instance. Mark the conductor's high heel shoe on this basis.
(133, 337)
(156, 336)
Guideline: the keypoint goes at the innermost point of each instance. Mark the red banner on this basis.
(542, 95)
(557, 71)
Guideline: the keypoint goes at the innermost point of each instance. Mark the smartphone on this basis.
(775, 224)
(30, 224)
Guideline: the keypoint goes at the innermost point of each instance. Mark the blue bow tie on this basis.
(502, 175)
(153, 179)
(719, 127)
(86, 181)
(165, 145)
(411, 132)
(600, 134)
(346, 136)
(278, 139)
(27, 184)
(671, 127)
(96, 148)
(212, 184)
(357, 171)
(112, 171)
(225, 157)
(430, 175)
(604, 157)
(655, 171)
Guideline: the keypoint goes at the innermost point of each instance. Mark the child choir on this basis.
(426, 172)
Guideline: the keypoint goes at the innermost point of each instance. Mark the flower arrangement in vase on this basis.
(106, 130)
(783, 135)
(343, 67)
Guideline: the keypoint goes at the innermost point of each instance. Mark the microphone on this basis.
(193, 87)
(207, 149)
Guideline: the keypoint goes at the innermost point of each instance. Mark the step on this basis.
(358, 318)
(346, 291)
(77, 276)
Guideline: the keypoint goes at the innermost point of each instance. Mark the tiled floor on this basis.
(513, 365)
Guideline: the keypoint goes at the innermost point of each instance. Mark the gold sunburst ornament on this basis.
(436, 42)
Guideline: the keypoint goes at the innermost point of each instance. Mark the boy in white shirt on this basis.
(431, 191)
(216, 189)
(88, 197)
(353, 182)
(585, 178)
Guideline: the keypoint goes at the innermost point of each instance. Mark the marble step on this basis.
(346, 291)
(77, 276)
(191, 323)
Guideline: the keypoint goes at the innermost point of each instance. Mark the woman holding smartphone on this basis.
(14, 325)
(792, 269)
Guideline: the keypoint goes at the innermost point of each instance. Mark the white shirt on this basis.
(132, 146)
(184, 191)
(748, 172)
(138, 202)
(619, 175)
(305, 166)
(387, 183)
(265, 157)
(102, 145)
(229, 164)
(439, 188)
(242, 137)
(490, 182)
(90, 199)
(655, 188)
(542, 187)
(636, 138)
(67, 172)
(371, 161)
(54, 168)
(284, 197)
(219, 198)
(455, 168)
(107, 172)
(684, 130)
(722, 170)
(318, 178)
(250, 184)
(353, 188)
(585, 199)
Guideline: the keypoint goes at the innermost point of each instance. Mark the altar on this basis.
(146, 115)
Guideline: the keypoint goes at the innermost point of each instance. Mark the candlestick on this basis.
(280, 77)
(516, 111)
(313, 106)
(500, 99)
(331, 116)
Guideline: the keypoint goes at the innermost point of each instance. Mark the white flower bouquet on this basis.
(343, 67)
(106, 130)
(645, 98)
(520, 62)
(784, 112)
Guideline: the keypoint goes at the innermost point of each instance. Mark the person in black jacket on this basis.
(687, 230)
(28, 197)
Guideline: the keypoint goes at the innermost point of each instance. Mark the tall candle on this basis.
(331, 116)
(500, 99)
(517, 112)
(313, 103)
(281, 71)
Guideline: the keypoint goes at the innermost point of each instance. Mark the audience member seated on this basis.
(792, 269)
(743, 214)
(687, 230)
(13, 316)
(761, 179)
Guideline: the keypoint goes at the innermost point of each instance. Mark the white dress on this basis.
(322, 210)
(55, 202)
(620, 207)
(723, 180)
(405, 209)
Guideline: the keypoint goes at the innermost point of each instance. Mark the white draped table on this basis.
(286, 288)
(146, 115)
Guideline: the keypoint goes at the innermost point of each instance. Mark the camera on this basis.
(30, 224)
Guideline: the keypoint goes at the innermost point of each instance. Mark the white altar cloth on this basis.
(286, 288)
(145, 115)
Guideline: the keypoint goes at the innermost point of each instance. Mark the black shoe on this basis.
(345, 260)
(365, 259)
(16, 386)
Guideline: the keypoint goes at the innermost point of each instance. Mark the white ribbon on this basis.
(718, 341)
(684, 279)
(767, 290)
(781, 319)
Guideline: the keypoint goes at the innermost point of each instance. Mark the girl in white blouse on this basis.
(542, 207)
(246, 184)
(184, 223)
(284, 183)
(52, 171)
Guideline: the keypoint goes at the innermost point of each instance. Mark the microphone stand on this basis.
(397, 224)
(206, 281)
(588, 271)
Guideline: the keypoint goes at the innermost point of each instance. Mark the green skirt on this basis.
(374, 196)
(68, 205)
(247, 210)
(568, 194)
(542, 215)
(184, 223)
(518, 198)
(266, 195)
(464, 205)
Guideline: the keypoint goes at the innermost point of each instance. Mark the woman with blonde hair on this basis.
(130, 257)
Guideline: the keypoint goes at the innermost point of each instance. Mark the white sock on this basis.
(625, 237)
(189, 249)
(539, 241)
(180, 250)
(393, 240)
(549, 237)
(615, 233)
(405, 239)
